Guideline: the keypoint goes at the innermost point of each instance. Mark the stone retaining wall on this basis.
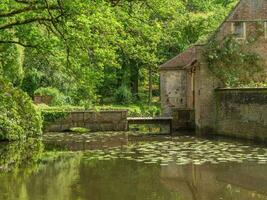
(242, 113)
(115, 120)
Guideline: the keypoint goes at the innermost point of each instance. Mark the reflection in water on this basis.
(50, 181)
(222, 181)
(14, 154)
(157, 168)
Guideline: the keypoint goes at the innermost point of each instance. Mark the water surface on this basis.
(118, 166)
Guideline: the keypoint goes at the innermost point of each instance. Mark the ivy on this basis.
(233, 62)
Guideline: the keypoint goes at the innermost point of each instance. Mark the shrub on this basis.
(51, 114)
(123, 95)
(19, 117)
(57, 97)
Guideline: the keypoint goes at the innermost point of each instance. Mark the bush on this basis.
(57, 97)
(19, 117)
(123, 95)
(51, 114)
(134, 110)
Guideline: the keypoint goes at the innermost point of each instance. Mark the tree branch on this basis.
(26, 21)
(29, 8)
(17, 42)
(27, 2)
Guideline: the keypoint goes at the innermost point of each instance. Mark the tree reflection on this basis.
(28, 172)
(16, 154)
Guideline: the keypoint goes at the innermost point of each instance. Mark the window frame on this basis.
(244, 30)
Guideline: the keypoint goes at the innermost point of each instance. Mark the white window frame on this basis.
(244, 30)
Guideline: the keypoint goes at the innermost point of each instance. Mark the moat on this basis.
(119, 166)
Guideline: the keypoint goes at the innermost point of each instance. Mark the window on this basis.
(239, 30)
(257, 5)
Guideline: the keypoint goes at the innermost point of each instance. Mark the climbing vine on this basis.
(233, 62)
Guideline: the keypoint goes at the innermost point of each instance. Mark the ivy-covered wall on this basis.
(109, 120)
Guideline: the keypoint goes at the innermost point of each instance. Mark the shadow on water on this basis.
(119, 166)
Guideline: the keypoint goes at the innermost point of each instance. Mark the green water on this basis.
(117, 166)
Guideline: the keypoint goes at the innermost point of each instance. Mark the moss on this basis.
(134, 110)
(80, 130)
(19, 118)
(52, 114)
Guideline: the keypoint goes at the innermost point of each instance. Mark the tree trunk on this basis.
(135, 81)
(150, 86)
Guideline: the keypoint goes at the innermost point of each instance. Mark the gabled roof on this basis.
(182, 60)
(189, 56)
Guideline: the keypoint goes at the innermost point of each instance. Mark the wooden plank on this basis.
(148, 118)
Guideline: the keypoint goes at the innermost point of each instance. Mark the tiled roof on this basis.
(182, 60)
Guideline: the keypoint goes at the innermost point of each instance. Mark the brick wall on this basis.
(250, 10)
(254, 14)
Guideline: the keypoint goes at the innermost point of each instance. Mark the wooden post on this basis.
(128, 126)
(171, 127)
(150, 86)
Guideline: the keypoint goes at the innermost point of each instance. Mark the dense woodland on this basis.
(88, 53)
(99, 51)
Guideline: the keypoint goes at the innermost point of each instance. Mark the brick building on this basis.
(187, 84)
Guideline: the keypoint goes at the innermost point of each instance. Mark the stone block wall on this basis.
(242, 113)
(115, 120)
(173, 85)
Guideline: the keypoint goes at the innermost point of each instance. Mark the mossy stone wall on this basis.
(113, 120)
(242, 113)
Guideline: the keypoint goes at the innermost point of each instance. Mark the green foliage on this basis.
(255, 85)
(80, 130)
(57, 97)
(11, 65)
(134, 110)
(123, 95)
(233, 62)
(19, 118)
(88, 54)
(51, 114)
